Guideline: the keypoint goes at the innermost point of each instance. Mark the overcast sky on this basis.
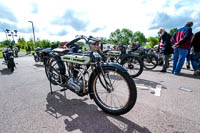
(63, 19)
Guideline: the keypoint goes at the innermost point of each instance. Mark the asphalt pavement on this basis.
(26, 105)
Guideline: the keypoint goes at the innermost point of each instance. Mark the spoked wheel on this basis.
(150, 61)
(134, 66)
(52, 76)
(114, 91)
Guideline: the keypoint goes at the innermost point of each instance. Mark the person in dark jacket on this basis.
(195, 57)
(181, 44)
(165, 48)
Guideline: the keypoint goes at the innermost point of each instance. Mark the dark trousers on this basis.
(165, 62)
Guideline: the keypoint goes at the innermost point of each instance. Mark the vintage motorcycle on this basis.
(8, 55)
(108, 84)
(129, 60)
(148, 57)
(41, 55)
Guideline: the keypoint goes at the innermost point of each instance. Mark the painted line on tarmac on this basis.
(156, 91)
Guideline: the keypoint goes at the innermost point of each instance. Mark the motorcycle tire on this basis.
(11, 65)
(150, 62)
(134, 66)
(130, 98)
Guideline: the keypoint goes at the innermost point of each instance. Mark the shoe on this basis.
(196, 73)
(163, 71)
(175, 73)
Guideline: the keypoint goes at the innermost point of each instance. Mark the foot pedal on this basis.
(64, 89)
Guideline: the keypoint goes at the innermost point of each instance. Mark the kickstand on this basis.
(51, 90)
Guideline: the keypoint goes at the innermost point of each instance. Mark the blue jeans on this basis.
(188, 58)
(195, 57)
(178, 60)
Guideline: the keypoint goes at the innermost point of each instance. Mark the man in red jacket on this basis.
(181, 45)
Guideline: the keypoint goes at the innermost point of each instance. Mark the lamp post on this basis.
(33, 33)
(7, 31)
(11, 33)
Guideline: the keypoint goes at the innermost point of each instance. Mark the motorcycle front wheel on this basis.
(114, 91)
(11, 64)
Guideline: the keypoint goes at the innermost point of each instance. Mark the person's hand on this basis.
(175, 46)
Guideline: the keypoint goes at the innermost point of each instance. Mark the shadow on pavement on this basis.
(86, 117)
(189, 75)
(5, 71)
(39, 65)
(153, 70)
(148, 83)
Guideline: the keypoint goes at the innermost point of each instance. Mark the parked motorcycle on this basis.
(148, 57)
(41, 55)
(129, 60)
(108, 84)
(8, 55)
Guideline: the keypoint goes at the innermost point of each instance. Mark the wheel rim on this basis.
(149, 62)
(115, 99)
(54, 75)
(133, 66)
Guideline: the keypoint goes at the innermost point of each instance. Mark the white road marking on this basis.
(156, 91)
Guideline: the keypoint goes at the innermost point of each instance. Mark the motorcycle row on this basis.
(106, 76)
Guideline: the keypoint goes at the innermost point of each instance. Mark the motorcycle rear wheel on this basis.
(150, 62)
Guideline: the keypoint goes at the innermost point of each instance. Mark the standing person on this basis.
(195, 57)
(165, 48)
(137, 44)
(188, 59)
(114, 47)
(16, 50)
(181, 44)
(133, 45)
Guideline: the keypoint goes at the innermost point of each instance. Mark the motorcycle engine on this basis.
(75, 84)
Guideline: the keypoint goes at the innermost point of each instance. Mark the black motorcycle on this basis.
(108, 84)
(148, 57)
(129, 60)
(41, 54)
(8, 55)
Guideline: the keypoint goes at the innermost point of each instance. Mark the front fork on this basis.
(108, 85)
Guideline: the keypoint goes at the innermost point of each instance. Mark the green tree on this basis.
(55, 44)
(31, 44)
(172, 31)
(124, 36)
(46, 44)
(5, 43)
(22, 43)
(139, 36)
(153, 41)
(103, 39)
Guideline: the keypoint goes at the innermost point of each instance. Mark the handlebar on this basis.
(87, 40)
